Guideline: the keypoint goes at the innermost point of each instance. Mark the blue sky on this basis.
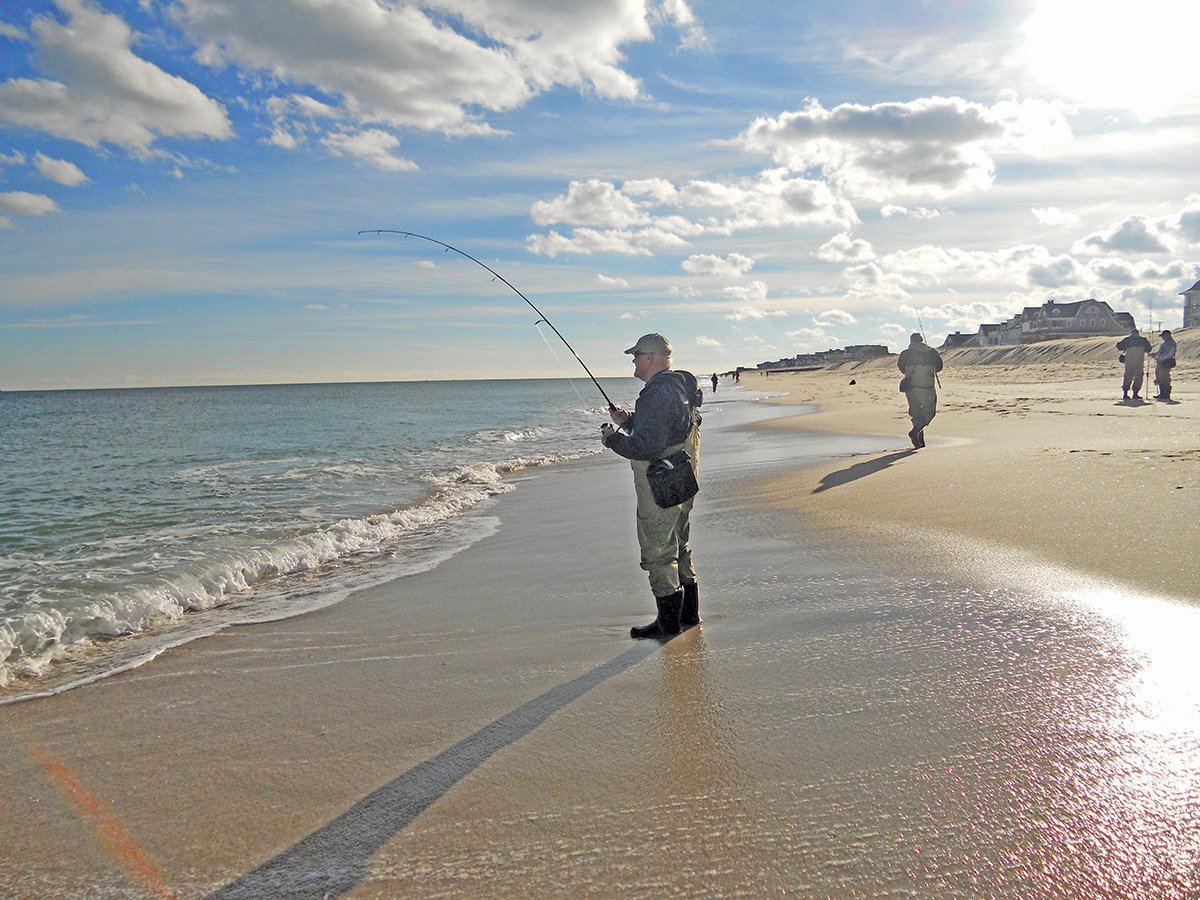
(182, 183)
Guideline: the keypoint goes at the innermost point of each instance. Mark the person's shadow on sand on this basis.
(860, 470)
(1132, 401)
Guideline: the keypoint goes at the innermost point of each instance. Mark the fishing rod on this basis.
(497, 275)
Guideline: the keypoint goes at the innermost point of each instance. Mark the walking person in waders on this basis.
(920, 364)
(664, 420)
(1133, 353)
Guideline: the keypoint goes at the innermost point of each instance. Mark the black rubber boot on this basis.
(666, 625)
(689, 613)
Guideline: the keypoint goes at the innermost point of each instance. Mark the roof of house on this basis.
(1195, 288)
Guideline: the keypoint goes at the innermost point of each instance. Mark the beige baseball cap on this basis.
(652, 343)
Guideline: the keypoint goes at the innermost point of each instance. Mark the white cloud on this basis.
(889, 210)
(844, 248)
(372, 146)
(702, 341)
(834, 317)
(590, 202)
(609, 281)
(734, 264)
(22, 203)
(1052, 215)
(755, 290)
(101, 92)
(640, 242)
(12, 31)
(439, 66)
(933, 147)
(60, 171)
(667, 215)
(17, 158)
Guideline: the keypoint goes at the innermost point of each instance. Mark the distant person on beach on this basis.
(1133, 350)
(714, 381)
(664, 420)
(920, 364)
(1164, 358)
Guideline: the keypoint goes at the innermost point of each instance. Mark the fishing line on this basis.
(497, 275)
(550, 347)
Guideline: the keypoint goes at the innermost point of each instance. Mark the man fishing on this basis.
(664, 420)
(920, 364)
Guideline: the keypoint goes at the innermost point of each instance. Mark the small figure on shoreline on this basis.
(1164, 358)
(714, 381)
(664, 421)
(1133, 353)
(920, 364)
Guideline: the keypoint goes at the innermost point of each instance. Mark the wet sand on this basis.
(882, 700)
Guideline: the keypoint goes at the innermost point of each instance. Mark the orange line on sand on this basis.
(105, 825)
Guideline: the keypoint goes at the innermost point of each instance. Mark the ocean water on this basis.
(134, 520)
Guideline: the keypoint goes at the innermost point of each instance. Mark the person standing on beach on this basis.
(714, 381)
(664, 420)
(1133, 349)
(920, 364)
(1164, 358)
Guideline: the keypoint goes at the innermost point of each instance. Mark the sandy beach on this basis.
(955, 672)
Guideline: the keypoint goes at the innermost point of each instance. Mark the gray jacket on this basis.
(663, 416)
(919, 363)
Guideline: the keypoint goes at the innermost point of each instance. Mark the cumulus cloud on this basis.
(609, 281)
(835, 317)
(590, 202)
(844, 248)
(60, 171)
(755, 290)
(22, 203)
(1056, 272)
(372, 146)
(707, 264)
(440, 65)
(702, 341)
(1133, 234)
(638, 216)
(935, 147)
(100, 92)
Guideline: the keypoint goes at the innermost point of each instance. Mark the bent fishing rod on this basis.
(497, 275)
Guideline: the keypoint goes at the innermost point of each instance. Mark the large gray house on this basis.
(1050, 321)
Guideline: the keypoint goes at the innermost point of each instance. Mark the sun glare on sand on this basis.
(1133, 54)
